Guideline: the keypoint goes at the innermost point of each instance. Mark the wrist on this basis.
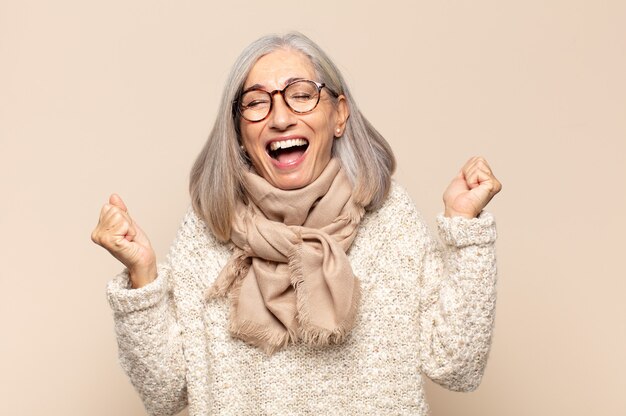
(452, 213)
(140, 276)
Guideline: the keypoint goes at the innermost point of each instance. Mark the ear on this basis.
(343, 112)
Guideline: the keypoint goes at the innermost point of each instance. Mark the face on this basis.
(291, 150)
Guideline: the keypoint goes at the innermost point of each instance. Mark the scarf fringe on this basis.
(259, 336)
(353, 215)
(311, 334)
(238, 266)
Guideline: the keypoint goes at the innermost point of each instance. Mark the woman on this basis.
(303, 281)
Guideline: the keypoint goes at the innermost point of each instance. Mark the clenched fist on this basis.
(471, 190)
(121, 236)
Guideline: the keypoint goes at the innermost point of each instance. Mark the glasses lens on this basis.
(255, 105)
(302, 96)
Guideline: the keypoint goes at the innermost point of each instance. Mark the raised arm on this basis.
(458, 296)
(148, 334)
(457, 302)
(125, 240)
(150, 342)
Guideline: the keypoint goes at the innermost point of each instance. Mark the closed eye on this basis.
(256, 103)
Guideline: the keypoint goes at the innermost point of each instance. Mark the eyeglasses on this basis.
(301, 96)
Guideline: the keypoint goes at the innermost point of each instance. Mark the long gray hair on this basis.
(215, 182)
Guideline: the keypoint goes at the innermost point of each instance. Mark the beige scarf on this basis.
(289, 277)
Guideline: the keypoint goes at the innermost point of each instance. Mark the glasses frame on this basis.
(318, 85)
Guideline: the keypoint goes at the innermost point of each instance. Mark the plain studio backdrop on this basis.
(117, 96)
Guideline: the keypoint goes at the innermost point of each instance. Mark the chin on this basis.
(292, 182)
(292, 176)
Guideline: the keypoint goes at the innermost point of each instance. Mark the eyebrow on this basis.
(261, 87)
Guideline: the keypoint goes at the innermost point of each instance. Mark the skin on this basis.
(125, 240)
(471, 189)
(320, 126)
(466, 196)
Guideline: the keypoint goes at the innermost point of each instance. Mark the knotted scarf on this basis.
(289, 278)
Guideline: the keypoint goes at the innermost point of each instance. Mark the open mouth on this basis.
(287, 151)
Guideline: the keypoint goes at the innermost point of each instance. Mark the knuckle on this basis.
(105, 208)
(118, 218)
(112, 244)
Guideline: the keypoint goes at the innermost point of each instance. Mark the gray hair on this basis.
(215, 181)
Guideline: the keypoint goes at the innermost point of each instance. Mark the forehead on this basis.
(272, 71)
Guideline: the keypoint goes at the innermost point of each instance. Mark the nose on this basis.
(281, 117)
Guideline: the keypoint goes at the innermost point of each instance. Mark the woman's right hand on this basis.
(121, 236)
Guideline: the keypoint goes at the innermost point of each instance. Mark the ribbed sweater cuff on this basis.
(124, 299)
(462, 232)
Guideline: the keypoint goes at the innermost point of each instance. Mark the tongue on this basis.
(289, 155)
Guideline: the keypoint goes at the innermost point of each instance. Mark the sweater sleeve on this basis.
(149, 340)
(457, 301)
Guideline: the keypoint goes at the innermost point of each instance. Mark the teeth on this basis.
(285, 144)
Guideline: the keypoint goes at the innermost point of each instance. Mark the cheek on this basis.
(326, 132)
(329, 120)
(249, 134)
(252, 150)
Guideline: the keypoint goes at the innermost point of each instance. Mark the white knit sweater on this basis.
(425, 309)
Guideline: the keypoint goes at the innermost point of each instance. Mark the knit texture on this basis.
(426, 309)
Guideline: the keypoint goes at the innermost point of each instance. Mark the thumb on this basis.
(115, 199)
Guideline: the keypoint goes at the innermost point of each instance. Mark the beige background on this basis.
(117, 96)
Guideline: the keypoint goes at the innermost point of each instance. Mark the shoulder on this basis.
(195, 244)
(194, 227)
(397, 205)
(398, 200)
(397, 218)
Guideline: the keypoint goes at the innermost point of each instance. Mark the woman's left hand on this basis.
(471, 190)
